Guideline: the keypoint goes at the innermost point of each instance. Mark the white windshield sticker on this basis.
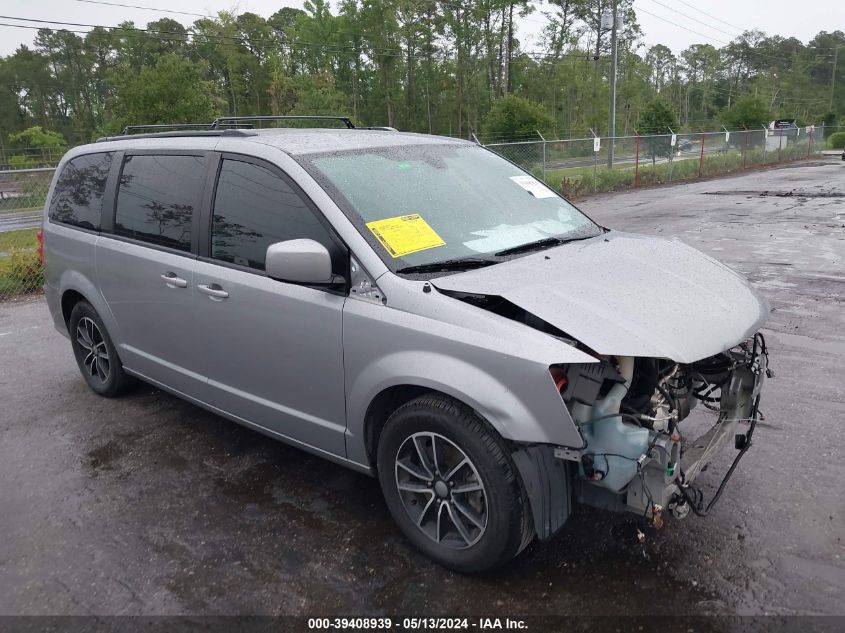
(507, 235)
(533, 186)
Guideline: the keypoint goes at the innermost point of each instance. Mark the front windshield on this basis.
(423, 204)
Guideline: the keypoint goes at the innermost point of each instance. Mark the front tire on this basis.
(451, 486)
(95, 353)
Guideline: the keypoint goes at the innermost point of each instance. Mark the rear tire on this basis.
(451, 486)
(95, 353)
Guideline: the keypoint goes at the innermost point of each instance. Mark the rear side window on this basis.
(78, 195)
(157, 197)
(254, 208)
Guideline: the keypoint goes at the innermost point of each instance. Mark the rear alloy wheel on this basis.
(95, 353)
(96, 364)
(450, 485)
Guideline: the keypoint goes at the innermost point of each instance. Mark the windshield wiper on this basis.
(532, 246)
(461, 263)
(546, 242)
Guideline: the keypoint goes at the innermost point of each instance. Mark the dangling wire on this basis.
(687, 491)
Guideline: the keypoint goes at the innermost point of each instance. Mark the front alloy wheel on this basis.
(441, 490)
(451, 486)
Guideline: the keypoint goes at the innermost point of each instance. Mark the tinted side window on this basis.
(156, 198)
(78, 196)
(254, 208)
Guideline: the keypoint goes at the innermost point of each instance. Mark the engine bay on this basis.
(637, 454)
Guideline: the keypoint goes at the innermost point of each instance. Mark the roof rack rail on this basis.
(231, 124)
(219, 122)
(128, 130)
(227, 131)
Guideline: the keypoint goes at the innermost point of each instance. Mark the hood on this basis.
(627, 295)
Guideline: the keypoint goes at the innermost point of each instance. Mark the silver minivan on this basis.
(414, 307)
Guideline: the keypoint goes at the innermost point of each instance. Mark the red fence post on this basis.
(745, 150)
(637, 163)
(701, 158)
(810, 143)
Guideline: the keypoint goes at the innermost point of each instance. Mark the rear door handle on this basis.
(214, 291)
(174, 281)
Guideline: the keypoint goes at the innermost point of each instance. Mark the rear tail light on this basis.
(41, 246)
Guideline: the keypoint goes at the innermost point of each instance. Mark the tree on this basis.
(173, 91)
(513, 118)
(657, 118)
(748, 112)
(423, 65)
(660, 60)
(700, 64)
(36, 146)
(316, 94)
(37, 138)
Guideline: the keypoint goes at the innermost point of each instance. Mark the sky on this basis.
(674, 23)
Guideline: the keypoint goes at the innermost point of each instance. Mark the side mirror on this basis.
(299, 261)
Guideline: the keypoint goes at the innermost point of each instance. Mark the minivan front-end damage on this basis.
(637, 455)
(652, 367)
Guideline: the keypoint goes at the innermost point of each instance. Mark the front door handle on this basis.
(214, 291)
(174, 281)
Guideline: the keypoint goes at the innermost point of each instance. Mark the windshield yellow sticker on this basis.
(405, 234)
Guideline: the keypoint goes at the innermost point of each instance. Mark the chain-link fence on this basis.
(22, 196)
(575, 167)
(30, 157)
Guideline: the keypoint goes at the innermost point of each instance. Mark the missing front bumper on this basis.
(666, 484)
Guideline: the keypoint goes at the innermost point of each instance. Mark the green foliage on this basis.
(836, 140)
(23, 239)
(424, 66)
(20, 273)
(20, 269)
(21, 161)
(515, 118)
(173, 91)
(748, 112)
(657, 118)
(581, 181)
(829, 120)
(317, 95)
(36, 137)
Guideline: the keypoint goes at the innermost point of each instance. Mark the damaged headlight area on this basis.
(637, 456)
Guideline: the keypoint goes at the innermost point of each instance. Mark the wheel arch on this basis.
(69, 299)
(381, 407)
(74, 287)
(392, 398)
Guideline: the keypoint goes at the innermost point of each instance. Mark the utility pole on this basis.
(509, 83)
(617, 24)
(833, 76)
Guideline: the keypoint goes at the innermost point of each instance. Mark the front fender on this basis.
(507, 382)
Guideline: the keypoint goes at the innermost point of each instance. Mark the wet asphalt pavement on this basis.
(149, 505)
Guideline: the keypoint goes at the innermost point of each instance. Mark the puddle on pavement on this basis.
(777, 194)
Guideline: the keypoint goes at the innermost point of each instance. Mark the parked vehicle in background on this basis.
(684, 145)
(414, 307)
